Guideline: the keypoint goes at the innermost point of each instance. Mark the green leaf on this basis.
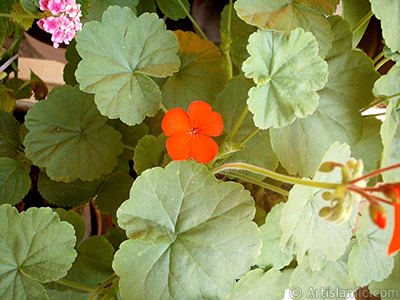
(70, 194)
(337, 118)
(330, 282)
(369, 147)
(75, 220)
(98, 7)
(230, 103)
(353, 11)
(5, 7)
(368, 259)
(130, 135)
(388, 84)
(389, 288)
(93, 263)
(239, 48)
(286, 16)
(118, 55)
(390, 133)
(173, 8)
(113, 192)
(288, 72)
(36, 247)
(14, 181)
(68, 136)
(304, 232)
(30, 7)
(193, 235)
(73, 58)
(238, 27)
(388, 12)
(67, 295)
(257, 285)
(19, 89)
(39, 88)
(271, 253)
(85, 5)
(146, 6)
(9, 135)
(7, 100)
(201, 74)
(393, 55)
(149, 153)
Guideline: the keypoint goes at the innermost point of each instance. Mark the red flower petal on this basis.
(204, 148)
(204, 119)
(395, 241)
(179, 146)
(176, 121)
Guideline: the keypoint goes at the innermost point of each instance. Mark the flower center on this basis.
(194, 131)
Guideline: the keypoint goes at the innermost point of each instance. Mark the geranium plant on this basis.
(234, 169)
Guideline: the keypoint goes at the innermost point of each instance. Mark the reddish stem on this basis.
(374, 173)
(367, 196)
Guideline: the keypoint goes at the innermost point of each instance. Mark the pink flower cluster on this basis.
(65, 21)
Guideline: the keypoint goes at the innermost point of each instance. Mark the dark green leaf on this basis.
(353, 11)
(98, 7)
(75, 220)
(9, 135)
(73, 58)
(7, 100)
(14, 181)
(149, 153)
(173, 8)
(39, 88)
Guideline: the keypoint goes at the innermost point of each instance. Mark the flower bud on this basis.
(391, 191)
(327, 196)
(327, 166)
(325, 212)
(378, 214)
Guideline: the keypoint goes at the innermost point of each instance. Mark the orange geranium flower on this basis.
(395, 241)
(189, 133)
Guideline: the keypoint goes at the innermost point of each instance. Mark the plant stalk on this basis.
(192, 20)
(102, 286)
(360, 23)
(374, 173)
(76, 285)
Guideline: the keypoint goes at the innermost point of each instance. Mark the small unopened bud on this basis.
(378, 214)
(327, 166)
(391, 191)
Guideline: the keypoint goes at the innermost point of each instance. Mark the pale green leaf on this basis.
(14, 181)
(67, 295)
(342, 34)
(388, 12)
(282, 15)
(271, 253)
(118, 54)
(258, 285)
(389, 288)
(368, 259)
(98, 7)
(149, 153)
(369, 147)
(230, 103)
(7, 101)
(288, 72)
(201, 229)
(113, 192)
(36, 247)
(388, 85)
(330, 282)
(70, 194)
(68, 136)
(393, 55)
(304, 232)
(337, 118)
(353, 11)
(9, 135)
(201, 74)
(173, 8)
(390, 132)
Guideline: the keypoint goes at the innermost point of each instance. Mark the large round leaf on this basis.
(191, 236)
(14, 181)
(68, 136)
(285, 16)
(118, 55)
(35, 247)
(288, 72)
(201, 74)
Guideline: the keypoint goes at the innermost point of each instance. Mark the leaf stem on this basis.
(381, 63)
(193, 21)
(226, 44)
(378, 57)
(75, 285)
(4, 15)
(373, 104)
(274, 175)
(128, 147)
(236, 127)
(228, 64)
(163, 108)
(103, 285)
(249, 136)
(258, 182)
(360, 23)
(374, 173)
(374, 115)
(367, 196)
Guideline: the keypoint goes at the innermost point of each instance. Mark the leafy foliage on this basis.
(170, 234)
(14, 181)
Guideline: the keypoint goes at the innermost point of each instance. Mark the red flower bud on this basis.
(378, 214)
